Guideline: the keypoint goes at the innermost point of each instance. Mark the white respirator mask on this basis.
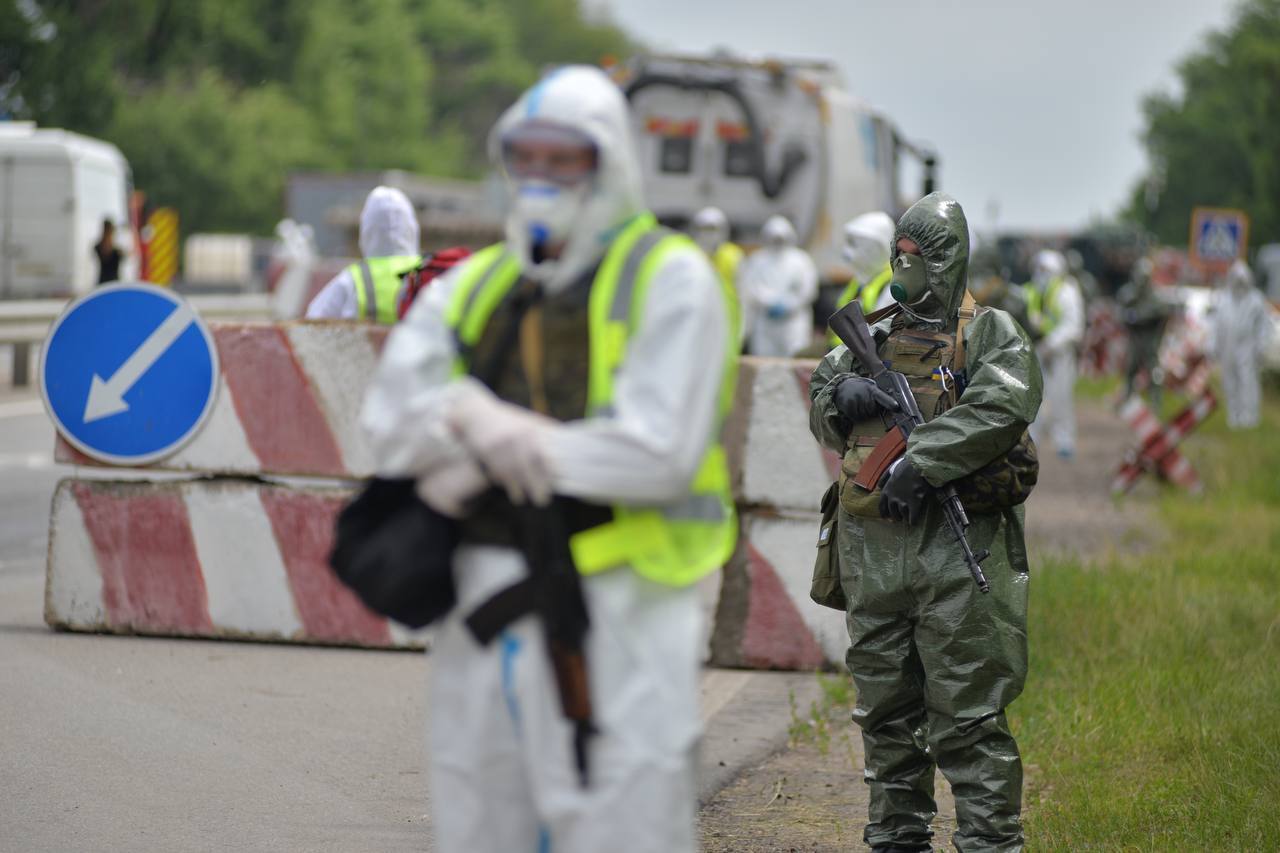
(547, 212)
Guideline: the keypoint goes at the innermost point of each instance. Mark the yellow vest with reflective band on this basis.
(378, 282)
(726, 259)
(869, 297)
(675, 544)
(1043, 311)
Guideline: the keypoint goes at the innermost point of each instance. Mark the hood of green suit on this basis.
(937, 225)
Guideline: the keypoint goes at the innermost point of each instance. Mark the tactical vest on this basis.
(584, 333)
(868, 295)
(928, 360)
(378, 282)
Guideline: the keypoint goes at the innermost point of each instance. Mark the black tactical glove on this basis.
(903, 492)
(858, 398)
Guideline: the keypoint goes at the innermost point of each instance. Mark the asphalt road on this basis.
(145, 744)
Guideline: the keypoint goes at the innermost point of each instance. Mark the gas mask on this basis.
(910, 283)
(708, 239)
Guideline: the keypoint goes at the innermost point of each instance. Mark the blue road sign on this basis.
(1218, 235)
(129, 373)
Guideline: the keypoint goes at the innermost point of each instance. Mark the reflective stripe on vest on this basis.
(378, 282)
(675, 544)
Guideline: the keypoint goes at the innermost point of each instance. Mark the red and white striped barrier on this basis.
(204, 558)
(230, 558)
(1157, 448)
(288, 402)
(773, 457)
(765, 619)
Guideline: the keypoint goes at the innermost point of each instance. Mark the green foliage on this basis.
(1150, 716)
(1214, 142)
(214, 101)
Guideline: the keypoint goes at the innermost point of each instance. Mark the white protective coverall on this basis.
(1241, 329)
(388, 227)
(779, 285)
(502, 772)
(1058, 351)
(867, 240)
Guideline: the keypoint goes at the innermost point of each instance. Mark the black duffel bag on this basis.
(396, 553)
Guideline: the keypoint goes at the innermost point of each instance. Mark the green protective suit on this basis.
(934, 660)
(1144, 316)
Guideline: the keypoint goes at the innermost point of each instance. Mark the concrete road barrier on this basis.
(229, 558)
(764, 618)
(204, 558)
(288, 403)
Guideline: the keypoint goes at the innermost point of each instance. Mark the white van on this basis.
(757, 138)
(56, 188)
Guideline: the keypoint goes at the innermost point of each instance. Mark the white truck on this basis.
(56, 188)
(757, 138)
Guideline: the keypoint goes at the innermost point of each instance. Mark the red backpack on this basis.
(431, 267)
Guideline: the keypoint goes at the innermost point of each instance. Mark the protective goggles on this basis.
(550, 152)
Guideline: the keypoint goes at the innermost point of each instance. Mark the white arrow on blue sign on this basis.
(129, 373)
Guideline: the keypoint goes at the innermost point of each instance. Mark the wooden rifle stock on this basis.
(873, 468)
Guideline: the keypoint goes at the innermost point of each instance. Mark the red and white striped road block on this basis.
(1157, 448)
(204, 558)
(288, 402)
(765, 618)
(773, 458)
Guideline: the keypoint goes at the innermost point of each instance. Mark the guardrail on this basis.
(25, 322)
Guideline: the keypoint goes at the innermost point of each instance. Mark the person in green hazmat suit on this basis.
(934, 660)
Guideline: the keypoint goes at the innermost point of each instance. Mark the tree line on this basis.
(1216, 141)
(214, 102)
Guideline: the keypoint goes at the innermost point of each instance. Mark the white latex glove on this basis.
(508, 443)
(447, 488)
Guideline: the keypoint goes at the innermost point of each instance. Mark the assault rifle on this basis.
(850, 326)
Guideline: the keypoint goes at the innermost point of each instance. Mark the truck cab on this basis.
(758, 138)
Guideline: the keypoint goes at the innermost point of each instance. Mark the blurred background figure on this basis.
(1144, 316)
(866, 248)
(295, 249)
(1056, 309)
(108, 254)
(369, 289)
(710, 230)
(1240, 334)
(1088, 285)
(779, 286)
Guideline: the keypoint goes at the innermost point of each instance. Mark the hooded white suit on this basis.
(388, 227)
(1057, 351)
(779, 285)
(1241, 329)
(502, 773)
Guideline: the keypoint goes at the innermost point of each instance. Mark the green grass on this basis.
(1151, 717)
(1098, 387)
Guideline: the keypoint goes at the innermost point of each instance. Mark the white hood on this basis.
(584, 99)
(780, 229)
(867, 243)
(388, 225)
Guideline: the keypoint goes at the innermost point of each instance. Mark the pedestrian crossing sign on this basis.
(1219, 236)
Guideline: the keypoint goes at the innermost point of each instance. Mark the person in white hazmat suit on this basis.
(867, 239)
(610, 404)
(1057, 309)
(779, 286)
(368, 289)
(1241, 330)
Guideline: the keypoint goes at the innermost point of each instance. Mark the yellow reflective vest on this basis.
(675, 544)
(869, 295)
(378, 282)
(1043, 309)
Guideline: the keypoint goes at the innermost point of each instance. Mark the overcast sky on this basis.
(1034, 106)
